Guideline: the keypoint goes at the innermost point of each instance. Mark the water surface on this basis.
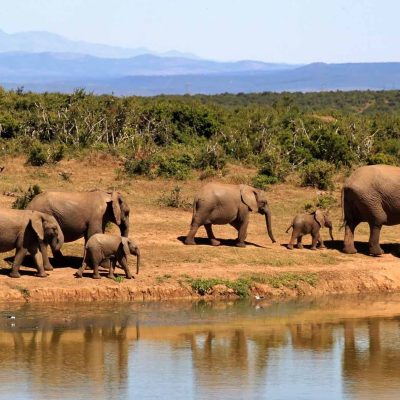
(336, 348)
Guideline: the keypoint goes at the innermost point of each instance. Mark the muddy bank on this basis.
(61, 286)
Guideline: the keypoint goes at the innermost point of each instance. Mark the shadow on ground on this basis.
(224, 242)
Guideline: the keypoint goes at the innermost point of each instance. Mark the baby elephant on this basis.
(102, 247)
(304, 224)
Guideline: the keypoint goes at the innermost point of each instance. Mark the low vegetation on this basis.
(242, 286)
(314, 135)
(23, 200)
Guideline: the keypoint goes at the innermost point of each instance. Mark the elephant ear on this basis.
(37, 225)
(125, 245)
(320, 218)
(115, 196)
(248, 196)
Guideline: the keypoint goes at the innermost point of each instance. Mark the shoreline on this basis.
(60, 286)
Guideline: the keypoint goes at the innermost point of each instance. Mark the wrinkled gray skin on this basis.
(29, 232)
(371, 194)
(305, 224)
(221, 204)
(82, 214)
(103, 247)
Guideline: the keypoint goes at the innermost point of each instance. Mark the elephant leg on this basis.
(113, 264)
(314, 242)
(192, 233)
(46, 262)
(349, 238)
(293, 239)
(96, 274)
(243, 232)
(299, 244)
(124, 264)
(374, 247)
(210, 234)
(18, 259)
(39, 264)
(321, 242)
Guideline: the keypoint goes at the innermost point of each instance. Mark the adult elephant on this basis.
(29, 232)
(371, 194)
(222, 204)
(82, 214)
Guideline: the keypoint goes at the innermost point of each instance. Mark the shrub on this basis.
(318, 174)
(263, 181)
(324, 202)
(138, 167)
(273, 166)
(175, 166)
(211, 157)
(37, 156)
(380, 158)
(174, 199)
(56, 154)
(21, 202)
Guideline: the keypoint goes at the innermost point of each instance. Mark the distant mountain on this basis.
(34, 66)
(40, 42)
(313, 77)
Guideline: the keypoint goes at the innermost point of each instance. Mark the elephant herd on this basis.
(371, 194)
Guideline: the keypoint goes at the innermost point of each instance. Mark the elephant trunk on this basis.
(137, 260)
(331, 233)
(124, 229)
(57, 241)
(269, 225)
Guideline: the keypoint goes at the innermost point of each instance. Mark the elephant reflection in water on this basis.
(53, 355)
(237, 355)
(371, 371)
(311, 336)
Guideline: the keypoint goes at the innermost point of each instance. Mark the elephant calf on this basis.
(304, 224)
(29, 231)
(103, 247)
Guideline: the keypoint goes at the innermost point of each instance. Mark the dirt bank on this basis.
(171, 270)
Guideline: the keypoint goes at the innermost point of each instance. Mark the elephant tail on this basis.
(288, 229)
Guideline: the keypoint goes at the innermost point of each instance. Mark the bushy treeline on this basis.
(170, 136)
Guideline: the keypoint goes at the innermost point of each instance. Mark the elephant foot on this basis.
(129, 277)
(78, 274)
(48, 267)
(96, 276)
(322, 247)
(110, 276)
(15, 274)
(190, 242)
(349, 250)
(300, 246)
(376, 251)
(215, 242)
(290, 246)
(313, 248)
(42, 275)
(240, 244)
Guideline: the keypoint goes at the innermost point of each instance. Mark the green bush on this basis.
(263, 181)
(323, 202)
(318, 174)
(37, 156)
(175, 166)
(21, 202)
(138, 167)
(211, 157)
(174, 199)
(381, 158)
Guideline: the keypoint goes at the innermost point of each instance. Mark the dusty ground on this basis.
(169, 266)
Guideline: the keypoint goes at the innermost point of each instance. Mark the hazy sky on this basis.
(295, 31)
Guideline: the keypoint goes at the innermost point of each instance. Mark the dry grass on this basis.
(158, 229)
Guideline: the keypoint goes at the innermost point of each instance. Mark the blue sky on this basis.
(294, 31)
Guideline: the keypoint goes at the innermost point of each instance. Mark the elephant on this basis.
(101, 247)
(304, 224)
(370, 194)
(28, 231)
(82, 214)
(221, 204)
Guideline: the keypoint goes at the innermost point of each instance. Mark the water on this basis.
(347, 348)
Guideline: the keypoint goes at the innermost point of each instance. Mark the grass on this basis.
(119, 279)
(163, 278)
(243, 285)
(24, 291)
